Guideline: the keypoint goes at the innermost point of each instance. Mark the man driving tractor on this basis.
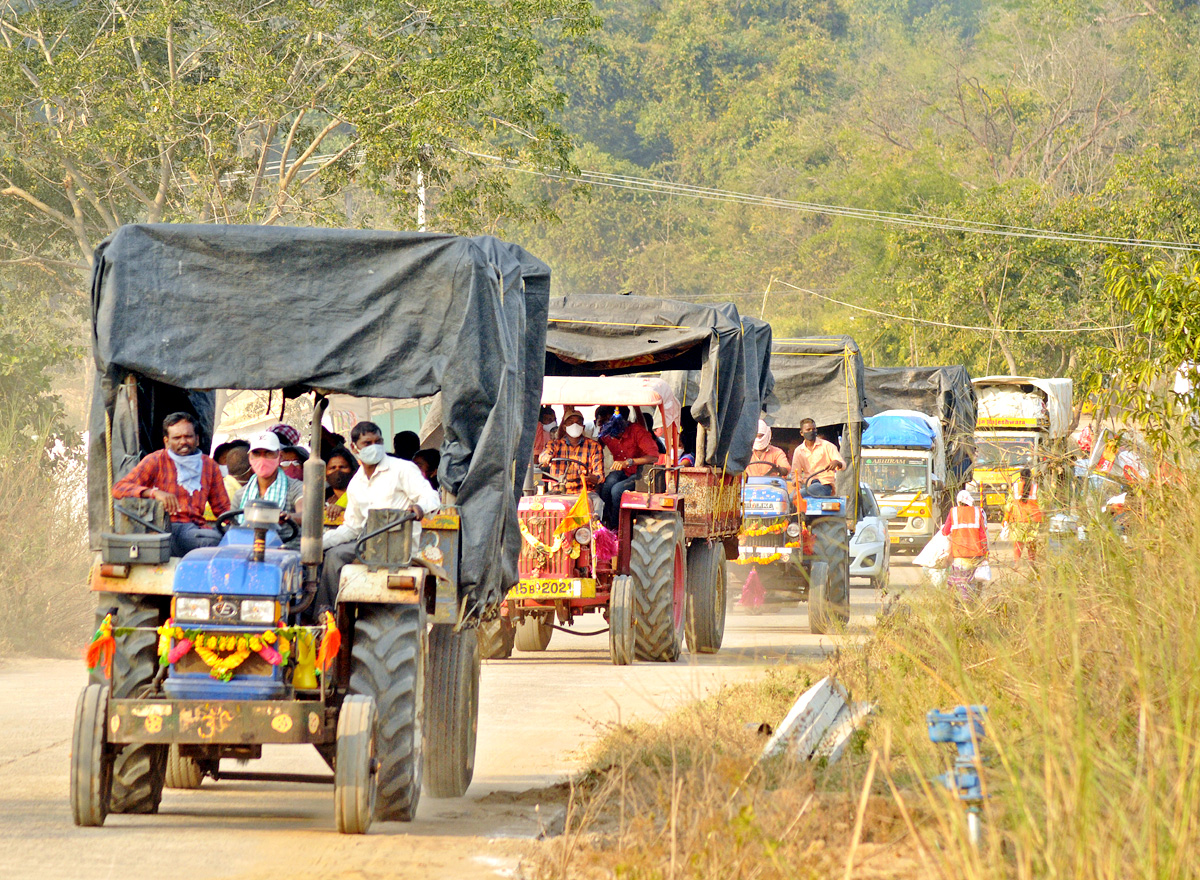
(816, 458)
(571, 459)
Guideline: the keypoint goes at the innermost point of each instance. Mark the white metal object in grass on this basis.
(819, 724)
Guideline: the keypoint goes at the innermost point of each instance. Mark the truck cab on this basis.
(904, 462)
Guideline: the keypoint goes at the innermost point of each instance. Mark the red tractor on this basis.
(663, 578)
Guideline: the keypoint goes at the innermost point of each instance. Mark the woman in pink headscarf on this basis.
(766, 456)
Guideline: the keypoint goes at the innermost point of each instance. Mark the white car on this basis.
(870, 548)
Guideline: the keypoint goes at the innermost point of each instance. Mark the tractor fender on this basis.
(147, 580)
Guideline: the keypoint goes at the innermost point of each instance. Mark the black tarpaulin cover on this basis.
(818, 378)
(942, 392)
(607, 334)
(373, 314)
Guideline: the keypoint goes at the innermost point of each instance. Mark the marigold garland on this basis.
(543, 550)
(759, 531)
(758, 560)
(221, 653)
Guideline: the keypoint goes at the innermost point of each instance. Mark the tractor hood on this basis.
(229, 571)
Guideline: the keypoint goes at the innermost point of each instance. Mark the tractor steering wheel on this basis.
(225, 520)
(563, 478)
(773, 470)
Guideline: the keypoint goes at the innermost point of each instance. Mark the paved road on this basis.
(538, 712)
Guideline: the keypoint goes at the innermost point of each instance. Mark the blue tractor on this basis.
(798, 550)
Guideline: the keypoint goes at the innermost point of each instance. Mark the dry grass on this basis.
(45, 606)
(1091, 672)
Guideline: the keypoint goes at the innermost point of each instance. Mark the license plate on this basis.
(995, 499)
(554, 588)
(895, 539)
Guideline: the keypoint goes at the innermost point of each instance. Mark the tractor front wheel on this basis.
(621, 638)
(533, 633)
(657, 564)
(354, 777)
(91, 761)
(451, 710)
(387, 663)
(183, 772)
(829, 595)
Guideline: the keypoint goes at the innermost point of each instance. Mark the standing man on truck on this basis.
(184, 479)
(813, 455)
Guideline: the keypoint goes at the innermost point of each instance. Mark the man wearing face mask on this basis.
(382, 483)
(814, 455)
(573, 459)
(767, 459)
(291, 462)
(184, 480)
(270, 482)
(548, 423)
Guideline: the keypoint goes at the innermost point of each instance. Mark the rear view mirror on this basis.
(888, 512)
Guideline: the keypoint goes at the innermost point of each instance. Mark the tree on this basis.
(295, 112)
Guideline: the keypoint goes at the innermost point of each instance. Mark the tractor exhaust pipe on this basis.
(312, 528)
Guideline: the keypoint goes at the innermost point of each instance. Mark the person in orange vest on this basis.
(966, 527)
(1023, 515)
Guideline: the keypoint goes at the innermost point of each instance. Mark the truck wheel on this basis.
(533, 633)
(620, 621)
(91, 762)
(182, 772)
(139, 771)
(705, 597)
(496, 637)
(829, 595)
(656, 562)
(354, 776)
(451, 710)
(387, 662)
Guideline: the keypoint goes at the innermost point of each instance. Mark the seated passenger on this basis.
(584, 458)
(548, 424)
(340, 466)
(428, 460)
(291, 462)
(382, 483)
(237, 460)
(184, 480)
(632, 446)
(767, 459)
(221, 453)
(648, 421)
(404, 445)
(288, 436)
(270, 483)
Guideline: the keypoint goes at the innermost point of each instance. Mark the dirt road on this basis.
(538, 712)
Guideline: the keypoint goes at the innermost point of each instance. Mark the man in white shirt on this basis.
(381, 483)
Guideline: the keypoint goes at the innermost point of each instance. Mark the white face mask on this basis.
(371, 455)
(549, 427)
(574, 430)
(224, 469)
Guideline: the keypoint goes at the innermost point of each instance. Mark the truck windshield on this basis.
(1003, 453)
(886, 475)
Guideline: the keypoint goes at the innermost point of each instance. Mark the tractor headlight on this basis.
(257, 611)
(583, 535)
(192, 608)
(793, 530)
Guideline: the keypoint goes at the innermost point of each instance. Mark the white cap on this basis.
(267, 440)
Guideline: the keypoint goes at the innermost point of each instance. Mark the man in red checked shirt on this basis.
(631, 446)
(184, 480)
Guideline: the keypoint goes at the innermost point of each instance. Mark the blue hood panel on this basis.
(228, 570)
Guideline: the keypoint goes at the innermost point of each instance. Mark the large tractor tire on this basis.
(657, 564)
(387, 662)
(91, 761)
(451, 711)
(829, 596)
(496, 638)
(705, 625)
(139, 771)
(183, 772)
(621, 637)
(533, 633)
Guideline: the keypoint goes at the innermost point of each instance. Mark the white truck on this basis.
(904, 462)
(1022, 422)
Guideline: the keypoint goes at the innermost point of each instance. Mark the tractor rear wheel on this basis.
(354, 776)
(387, 662)
(705, 596)
(659, 570)
(829, 602)
(496, 638)
(139, 771)
(91, 761)
(533, 633)
(182, 772)
(620, 621)
(451, 710)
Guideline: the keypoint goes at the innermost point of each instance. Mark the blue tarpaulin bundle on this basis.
(898, 430)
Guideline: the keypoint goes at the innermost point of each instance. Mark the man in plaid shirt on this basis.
(584, 457)
(184, 480)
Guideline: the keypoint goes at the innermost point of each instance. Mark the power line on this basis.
(922, 221)
(913, 320)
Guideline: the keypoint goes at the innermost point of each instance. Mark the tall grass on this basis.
(45, 606)
(1090, 669)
